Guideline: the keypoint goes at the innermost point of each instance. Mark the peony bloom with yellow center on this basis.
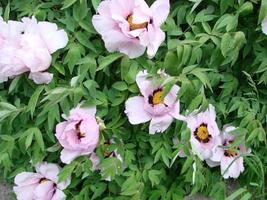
(231, 162)
(205, 135)
(131, 26)
(152, 105)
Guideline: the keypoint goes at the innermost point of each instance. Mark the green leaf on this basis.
(106, 61)
(263, 11)
(34, 99)
(121, 86)
(39, 139)
(67, 3)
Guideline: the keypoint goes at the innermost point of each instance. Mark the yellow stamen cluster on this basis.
(157, 98)
(135, 26)
(202, 132)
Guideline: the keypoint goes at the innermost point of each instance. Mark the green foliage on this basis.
(214, 50)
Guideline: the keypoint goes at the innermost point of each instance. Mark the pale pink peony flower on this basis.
(231, 156)
(79, 134)
(205, 135)
(27, 47)
(42, 185)
(151, 107)
(130, 26)
(264, 26)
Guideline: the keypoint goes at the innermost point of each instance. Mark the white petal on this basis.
(160, 123)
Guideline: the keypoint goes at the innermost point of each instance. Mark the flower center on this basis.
(134, 26)
(156, 98)
(79, 134)
(43, 180)
(231, 152)
(202, 134)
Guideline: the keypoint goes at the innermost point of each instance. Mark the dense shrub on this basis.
(214, 50)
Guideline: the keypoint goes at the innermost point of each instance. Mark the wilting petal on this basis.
(41, 77)
(160, 124)
(156, 37)
(134, 109)
(95, 161)
(160, 9)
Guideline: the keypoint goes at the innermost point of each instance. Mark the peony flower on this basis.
(231, 162)
(130, 26)
(204, 135)
(151, 106)
(264, 26)
(42, 185)
(79, 134)
(27, 47)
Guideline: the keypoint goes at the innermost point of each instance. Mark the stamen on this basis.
(135, 26)
(79, 134)
(202, 134)
(156, 98)
(43, 180)
(231, 152)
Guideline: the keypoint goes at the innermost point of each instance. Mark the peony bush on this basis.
(133, 99)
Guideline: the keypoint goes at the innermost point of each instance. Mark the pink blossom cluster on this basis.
(26, 46)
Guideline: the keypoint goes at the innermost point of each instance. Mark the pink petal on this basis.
(41, 77)
(55, 39)
(175, 111)
(122, 7)
(116, 41)
(134, 109)
(103, 24)
(60, 127)
(67, 156)
(234, 170)
(211, 163)
(80, 112)
(37, 59)
(48, 170)
(27, 178)
(25, 192)
(156, 37)
(44, 191)
(144, 84)
(160, 124)
(160, 9)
